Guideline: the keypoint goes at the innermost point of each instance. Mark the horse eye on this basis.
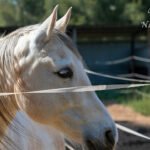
(65, 73)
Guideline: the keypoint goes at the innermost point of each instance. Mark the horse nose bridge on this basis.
(98, 118)
(97, 109)
(94, 109)
(100, 127)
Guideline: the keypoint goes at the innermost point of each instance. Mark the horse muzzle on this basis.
(108, 142)
(94, 143)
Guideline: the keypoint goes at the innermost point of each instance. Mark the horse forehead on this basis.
(56, 45)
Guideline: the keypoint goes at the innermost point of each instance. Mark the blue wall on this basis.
(95, 54)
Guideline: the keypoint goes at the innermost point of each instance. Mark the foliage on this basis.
(22, 12)
(137, 98)
(133, 12)
(142, 106)
(7, 11)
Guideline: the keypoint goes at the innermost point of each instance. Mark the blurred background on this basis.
(113, 37)
(91, 12)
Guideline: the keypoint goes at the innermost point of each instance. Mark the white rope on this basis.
(127, 75)
(116, 77)
(69, 147)
(141, 59)
(127, 130)
(134, 75)
(115, 62)
(124, 129)
(123, 60)
(142, 93)
(141, 76)
(87, 89)
(77, 89)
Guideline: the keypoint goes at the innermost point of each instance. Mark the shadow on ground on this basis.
(131, 142)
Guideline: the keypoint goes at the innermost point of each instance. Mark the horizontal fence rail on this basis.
(117, 77)
(123, 60)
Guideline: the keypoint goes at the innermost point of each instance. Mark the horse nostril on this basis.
(109, 137)
(90, 144)
(105, 140)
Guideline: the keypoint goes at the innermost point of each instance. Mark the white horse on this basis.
(42, 57)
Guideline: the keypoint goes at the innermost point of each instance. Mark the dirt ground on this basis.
(129, 118)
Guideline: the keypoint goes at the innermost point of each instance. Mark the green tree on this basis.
(7, 11)
(83, 10)
(29, 11)
(109, 11)
(133, 12)
(87, 12)
(146, 8)
(119, 12)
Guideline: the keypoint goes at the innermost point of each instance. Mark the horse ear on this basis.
(62, 23)
(48, 25)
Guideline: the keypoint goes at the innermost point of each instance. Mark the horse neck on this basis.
(8, 105)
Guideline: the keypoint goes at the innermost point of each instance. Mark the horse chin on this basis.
(73, 145)
(87, 146)
(98, 146)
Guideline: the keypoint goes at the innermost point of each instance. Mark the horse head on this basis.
(46, 58)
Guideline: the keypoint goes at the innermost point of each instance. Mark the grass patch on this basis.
(141, 106)
(138, 99)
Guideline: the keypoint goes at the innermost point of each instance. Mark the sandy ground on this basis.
(122, 113)
(129, 118)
